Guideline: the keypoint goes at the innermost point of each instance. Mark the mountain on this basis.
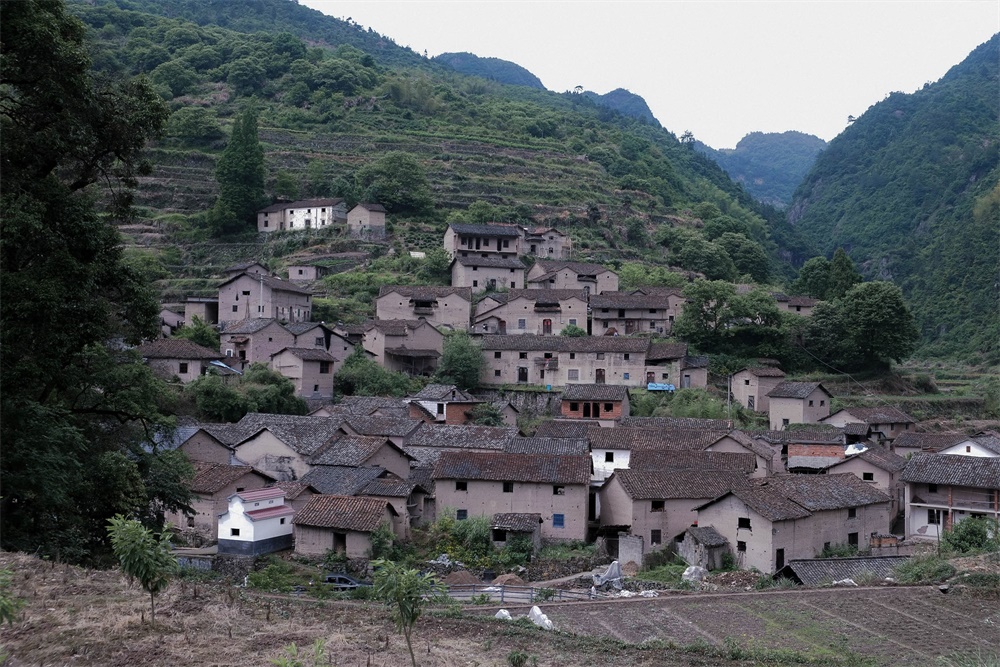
(769, 165)
(910, 190)
(493, 69)
(624, 102)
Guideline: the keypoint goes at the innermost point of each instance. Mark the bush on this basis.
(838, 551)
(972, 535)
(277, 577)
(931, 569)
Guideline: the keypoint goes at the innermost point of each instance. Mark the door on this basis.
(650, 377)
(629, 327)
(596, 411)
(686, 382)
(779, 559)
(750, 403)
(599, 376)
(522, 374)
(546, 327)
(502, 327)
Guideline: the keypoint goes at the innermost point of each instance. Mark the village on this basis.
(855, 481)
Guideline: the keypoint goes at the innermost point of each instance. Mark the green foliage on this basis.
(194, 124)
(405, 591)
(544, 594)
(567, 550)
(718, 320)
(362, 376)
(972, 535)
(461, 361)
(485, 414)
(662, 566)
(838, 551)
(199, 332)
(692, 402)
(277, 577)
(748, 256)
(381, 541)
(518, 658)
(693, 252)
(729, 562)
(813, 279)
(398, 182)
(259, 390)
(143, 556)
(573, 331)
(240, 174)
(436, 269)
(295, 657)
(926, 569)
(843, 276)
(9, 605)
(633, 274)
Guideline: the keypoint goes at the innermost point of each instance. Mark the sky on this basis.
(719, 69)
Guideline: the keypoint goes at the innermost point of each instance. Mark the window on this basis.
(746, 382)
(315, 387)
(558, 490)
(822, 402)
(506, 244)
(508, 487)
(604, 310)
(558, 520)
(625, 356)
(655, 537)
(932, 488)
(608, 407)
(656, 505)
(810, 404)
(522, 324)
(247, 293)
(183, 367)
(609, 457)
(572, 355)
(652, 325)
(868, 476)
(743, 522)
(968, 448)
(475, 283)
(324, 367)
(600, 356)
(852, 512)
(604, 324)
(573, 374)
(266, 222)
(934, 517)
(574, 407)
(652, 310)
(235, 308)
(319, 342)
(573, 322)
(741, 547)
(461, 485)
(283, 521)
(461, 515)
(496, 373)
(784, 422)
(234, 532)
(625, 376)
(522, 355)
(440, 408)
(496, 355)
(852, 539)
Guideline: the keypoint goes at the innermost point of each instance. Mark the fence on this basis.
(514, 594)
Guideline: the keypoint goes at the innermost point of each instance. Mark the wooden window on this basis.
(741, 547)
(655, 537)
(324, 367)
(852, 539)
(934, 517)
(496, 355)
(574, 407)
(461, 515)
(522, 355)
(932, 488)
(183, 367)
(852, 512)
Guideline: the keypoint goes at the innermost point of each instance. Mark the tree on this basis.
(748, 255)
(485, 414)
(437, 266)
(461, 362)
(259, 390)
(196, 124)
(362, 376)
(843, 275)
(143, 556)
(877, 324)
(240, 174)
(573, 331)
(397, 181)
(199, 332)
(814, 278)
(404, 590)
(703, 320)
(77, 409)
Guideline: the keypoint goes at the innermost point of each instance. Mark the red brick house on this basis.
(605, 402)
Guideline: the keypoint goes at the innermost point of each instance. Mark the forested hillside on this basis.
(626, 103)
(910, 190)
(494, 69)
(770, 165)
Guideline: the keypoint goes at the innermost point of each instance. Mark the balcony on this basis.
(546, 363)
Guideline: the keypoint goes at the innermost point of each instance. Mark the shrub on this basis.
(518, 658)
(972, 535)
(728, 562)
(929, 569)
(275, 578)
(838, 551)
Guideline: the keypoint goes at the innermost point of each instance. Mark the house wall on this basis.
(723, 515)
(314, 541)
(798, 411)
(295, 217)
(259, 346)
(746, 385)
(954, 503)
(450, 311)
(208, 507)
(363, 223)
(549, 245)
(486, 498)
(607, 281)
(765, 466)
(615, 366)
(618, 509)
(883, 480)
(969, 448)
(305, 375)
(267, 453)
(252, 531)
(522, 311)
(203, 447)
(464, 245)
(206, 311)
(609, 410)
(304, 272)
(392, 460)
(245, 297)
(481, 277)
(602, 467)
(169, 368)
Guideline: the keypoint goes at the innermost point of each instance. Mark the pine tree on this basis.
(240, 174)
(843, 275)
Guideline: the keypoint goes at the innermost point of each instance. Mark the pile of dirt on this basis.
(741, 579)
(630, 569)
(508, 580)
(461, 578)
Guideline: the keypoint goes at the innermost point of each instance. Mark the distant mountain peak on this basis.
(625, 102)
(495, 69)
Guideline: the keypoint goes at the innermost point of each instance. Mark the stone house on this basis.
(506, 526)
(612, 448)
(772, 520)
(211, 488)
(627, 313)
(487, 273)
(487, 483)
(357, 451)
(797, 403)
(205, 308)
(531, 311)
(887, 421)
(944, 489)
(604, 402)
(178, 357)
(400, 430)
(659, 505)
(257, 522)
(767, 458)
(910, 442)
(562, 360)
(306, 273)
(431, 440)
(546, 243)
(366, 221)
(343, 524)
(406, 497)
(408, 346)
(212, 443)
(297, 494)
(493, 240)
(441, 403)
(301, 215)
(800, 305)
(985, 443)
(670, 364)
(448, 307)
(246, 296)
(282, 445)
(879, 467)
(310, 370)
(703, 547)
(591, 278)
(251, 267)
(255, 340)
(750, 386)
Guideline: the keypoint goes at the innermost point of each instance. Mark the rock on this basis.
(845, 582)
(650, 594)
(503, 615)
(694, 573)
(538, 618)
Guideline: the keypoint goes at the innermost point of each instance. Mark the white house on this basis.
(257, 522)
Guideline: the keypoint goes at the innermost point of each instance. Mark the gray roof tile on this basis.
(500, 466)
(975, 471)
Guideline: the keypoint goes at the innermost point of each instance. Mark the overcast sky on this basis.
(720, 69)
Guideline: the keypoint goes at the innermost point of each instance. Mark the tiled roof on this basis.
(769, 502)
(393, 427)
(804, 301)
(697, 361)
(176, 348)
(954, 470)
(307, 353)
(423, 476)
(884, 414)
(806, 463)
(988, 440)
(304, 435)
(587, 268)
(785, 497)
(463, 436)
(516, 522)
(374, 208)
(425, 457)
(388, 488)
(492, 262)
(271, 282)
(594, 392)
(500, 466)
(269, 493)
(673, 484)
(343, 513)
(880, 457)
(565, 428)
(302, 203)
(658, 290)
(765, 372)
(239, 267)
(677, 422)
(546, 295)
(707, 536)
(270, 512)
(350, 450)
(486, 230)
(928, 441)
(795, 389)
(415, 353)
(627, 300)
(861, 429)
(643, 438)
(829, 436)
(759, 447)
(299, 328)
(660, 351)
(651, 459)
(366, 405)
(442, 392)
(248, 326)
(227, 434)
(532, 342)
(818, 571)
(425, 292)
(214, 477)
(294, 489)
(394, 327)
(557, 446)
(341, 480)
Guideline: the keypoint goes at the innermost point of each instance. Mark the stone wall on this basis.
(528, 403)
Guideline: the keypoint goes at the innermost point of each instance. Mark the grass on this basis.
(567, 551)
(928, 569)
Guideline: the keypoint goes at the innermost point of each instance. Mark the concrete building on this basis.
(944, 489)
(408, 346)
(560, 360)
(487, 273)
(750, 386)
(302, 215)
(485, 484)
(627, 313)
(531, 311)
(493, 240)
(447, 307)
(246, 296)
(343, 524)
(546, 243)
(178, 358)
(311, 370)
(367, 221)
(211, 488)
(257, 522)
(797, 403)
(591, 278)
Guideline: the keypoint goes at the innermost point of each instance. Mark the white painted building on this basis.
(257, 522)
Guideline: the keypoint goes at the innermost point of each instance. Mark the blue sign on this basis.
(656, 386)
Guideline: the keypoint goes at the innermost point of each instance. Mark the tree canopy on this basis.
(240, 174)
